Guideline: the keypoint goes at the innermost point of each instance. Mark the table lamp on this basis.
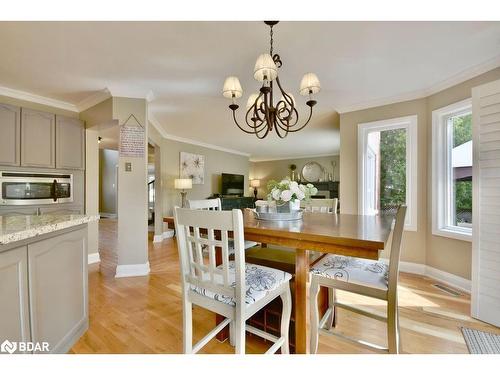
(183, 184)
(255, 184)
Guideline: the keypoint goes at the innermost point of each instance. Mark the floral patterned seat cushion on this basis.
(353, 270)
(259, 281)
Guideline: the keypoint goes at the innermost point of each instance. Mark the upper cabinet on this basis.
(30, 138)
(38, 139)
(10, 135)
(70, 143)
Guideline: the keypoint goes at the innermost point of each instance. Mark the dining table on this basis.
(362, 236)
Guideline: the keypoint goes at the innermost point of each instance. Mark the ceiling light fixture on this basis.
(263, 115)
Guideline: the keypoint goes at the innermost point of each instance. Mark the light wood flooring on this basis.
(144, 314)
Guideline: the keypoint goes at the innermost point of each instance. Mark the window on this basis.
(452, 171)
(387, 158)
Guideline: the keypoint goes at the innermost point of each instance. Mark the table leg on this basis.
(301, 275)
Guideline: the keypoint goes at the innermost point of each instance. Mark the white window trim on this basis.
(410, 124)
(441, 154)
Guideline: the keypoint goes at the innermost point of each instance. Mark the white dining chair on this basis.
(214, 204)
(320, 205)
(361, 276)
(205, 204)
(234, 289)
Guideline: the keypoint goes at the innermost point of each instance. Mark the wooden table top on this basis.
(370, 232)
(362, 231)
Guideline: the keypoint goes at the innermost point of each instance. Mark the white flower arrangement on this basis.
(289, 191)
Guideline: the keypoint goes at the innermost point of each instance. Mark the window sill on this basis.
(452, 233)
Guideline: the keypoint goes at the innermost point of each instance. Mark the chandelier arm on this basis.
(286, 120)
(303, 126)
(277, 127)
(257, 119)
(265, 133)
(238, 125)
(287, 97)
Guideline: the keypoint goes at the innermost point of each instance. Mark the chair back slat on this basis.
(320, 205)
(205, 204)
(225, 257)
(191, 226)
(397, 235)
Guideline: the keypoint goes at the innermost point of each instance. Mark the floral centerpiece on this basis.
(287, 194)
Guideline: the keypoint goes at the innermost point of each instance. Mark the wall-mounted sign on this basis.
(132, 139)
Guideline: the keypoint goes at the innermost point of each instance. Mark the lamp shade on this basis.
(265, 68)
(183, 183)
(309, 83)
(251, 100)
(232, 88)
(255, 183)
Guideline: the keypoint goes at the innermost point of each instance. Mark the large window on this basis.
(452, 171)
(387, 156)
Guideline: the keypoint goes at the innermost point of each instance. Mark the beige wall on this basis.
(278, 169)
(443, 253)
(108, 160)
(216, 162)
(446, 254)
(413, 241)
(132, 190)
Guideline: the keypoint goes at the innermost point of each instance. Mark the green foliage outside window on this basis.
(392, 168)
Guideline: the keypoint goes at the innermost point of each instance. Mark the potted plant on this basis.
(287, 194)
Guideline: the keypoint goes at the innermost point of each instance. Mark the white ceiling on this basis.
(185, 63)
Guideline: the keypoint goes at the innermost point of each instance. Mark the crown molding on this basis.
(461, 77)
(258, 160)
(23, 95)
(93, 99)
(164, 134)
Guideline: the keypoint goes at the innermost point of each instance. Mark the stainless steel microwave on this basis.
(30, 188)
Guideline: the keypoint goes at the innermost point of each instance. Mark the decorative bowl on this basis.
(278, 216)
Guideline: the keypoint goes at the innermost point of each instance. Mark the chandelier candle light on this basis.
(263, 114)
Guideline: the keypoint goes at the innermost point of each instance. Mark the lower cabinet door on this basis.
(14, 308)
(58, 289)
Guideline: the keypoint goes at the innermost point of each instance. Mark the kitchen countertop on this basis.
(20, 227)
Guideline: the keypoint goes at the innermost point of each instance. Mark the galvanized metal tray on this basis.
(279, 216)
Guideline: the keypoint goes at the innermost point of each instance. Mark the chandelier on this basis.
(263, 114)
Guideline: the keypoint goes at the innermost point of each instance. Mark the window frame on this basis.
(410, 123)
(441, 170)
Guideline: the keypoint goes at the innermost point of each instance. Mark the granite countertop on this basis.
(20, 227)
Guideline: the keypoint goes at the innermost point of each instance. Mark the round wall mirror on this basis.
(312, 172)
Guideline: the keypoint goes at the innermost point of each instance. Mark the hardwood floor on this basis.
(144, 314)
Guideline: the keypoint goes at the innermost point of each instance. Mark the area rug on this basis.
(479, 342)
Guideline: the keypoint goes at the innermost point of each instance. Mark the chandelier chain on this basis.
(272, 33)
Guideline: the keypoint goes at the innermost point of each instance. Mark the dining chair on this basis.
(233, 289)
(205, 204)
(214, 204)
(320, 205)
(361, 276)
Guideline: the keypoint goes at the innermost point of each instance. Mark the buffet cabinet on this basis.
(30, 138)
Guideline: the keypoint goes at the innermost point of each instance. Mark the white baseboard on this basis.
(160, 237)
(131, 270)
(450, 279)
(93, 258)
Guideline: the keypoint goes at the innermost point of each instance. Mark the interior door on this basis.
(486, 203)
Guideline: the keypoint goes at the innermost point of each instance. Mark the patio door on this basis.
(486, 203)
